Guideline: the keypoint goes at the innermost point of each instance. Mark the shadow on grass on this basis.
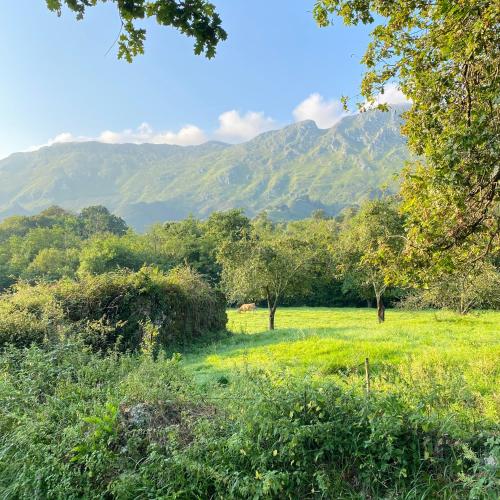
(229, 343)
(319, 361)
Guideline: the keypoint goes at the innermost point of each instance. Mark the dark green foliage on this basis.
(370, 241)
(111, 310)
(76, 425)
(193, 18)
(48, 246)
(51, 217)
(231, 225)
(444, 56)
(108, 252)
(189, 241)
(345, 251)
(98, 219)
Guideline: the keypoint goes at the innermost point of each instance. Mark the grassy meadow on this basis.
(260, 414)
(428, 348)
(317, 341)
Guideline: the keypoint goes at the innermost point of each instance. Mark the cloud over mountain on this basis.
(189, 135)
(289, 172)
(234, 126)
(326, 113)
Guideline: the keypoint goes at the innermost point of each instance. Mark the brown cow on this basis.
(247, 307)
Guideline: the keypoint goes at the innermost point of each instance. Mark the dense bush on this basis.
(76, 425)
(117, 310)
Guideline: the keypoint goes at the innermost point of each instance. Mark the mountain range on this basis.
(288, 172)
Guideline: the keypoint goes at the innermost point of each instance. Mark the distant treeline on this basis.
(56, 244)
(318, 261)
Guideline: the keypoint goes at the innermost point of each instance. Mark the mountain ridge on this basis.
(289, 172)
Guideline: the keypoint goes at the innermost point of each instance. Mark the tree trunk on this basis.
(380, 309)
(272, 308)
(272, 311)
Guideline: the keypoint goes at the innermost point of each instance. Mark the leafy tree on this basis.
(99, 219)
(184, 243)
(18, 252)
(53, 264)
(268, 265)
(193, 18)
(24, 240)
(55, 212)
(322, 234)
(230, 225)
(108, 252)
(51, 217)
(444, 54)
(465, 288)
(368, 242)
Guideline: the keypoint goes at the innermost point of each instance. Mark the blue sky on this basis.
(277, 66)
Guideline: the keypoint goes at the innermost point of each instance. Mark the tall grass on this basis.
(260, 414)
(77, 425)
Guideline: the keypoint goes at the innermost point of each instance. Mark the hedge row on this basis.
(123, 310)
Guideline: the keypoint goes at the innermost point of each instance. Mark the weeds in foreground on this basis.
(75, 424)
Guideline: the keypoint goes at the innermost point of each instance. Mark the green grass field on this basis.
(282, 414)
(315, 339)
(324, 343)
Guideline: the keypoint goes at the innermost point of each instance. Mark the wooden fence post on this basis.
(367, 375)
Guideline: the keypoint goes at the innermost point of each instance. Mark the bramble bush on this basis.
(111, 310)
(77, 425)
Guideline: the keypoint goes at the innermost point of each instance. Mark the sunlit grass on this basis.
(325, 343)
(313, 338)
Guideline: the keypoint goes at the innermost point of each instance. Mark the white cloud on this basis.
(64, 137)
(234, 127)
(187, 136)
(324, 113)
(59, 139)
(391, 95)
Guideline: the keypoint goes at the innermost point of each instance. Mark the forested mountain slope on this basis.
(288, 172)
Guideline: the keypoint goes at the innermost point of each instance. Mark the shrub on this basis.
(114, 310)
(27, 317)
(77, 425)
(465, 289)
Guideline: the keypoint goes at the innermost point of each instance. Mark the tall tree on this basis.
(193, 18)
(369, 242)
(266, 266)
(185, 243)
(98, 219)
(445, 56)
(231, 224)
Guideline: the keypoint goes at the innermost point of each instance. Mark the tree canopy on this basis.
(369, 241)
(267, 266)
(320, 261)
(194, 18)
(445, 56)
